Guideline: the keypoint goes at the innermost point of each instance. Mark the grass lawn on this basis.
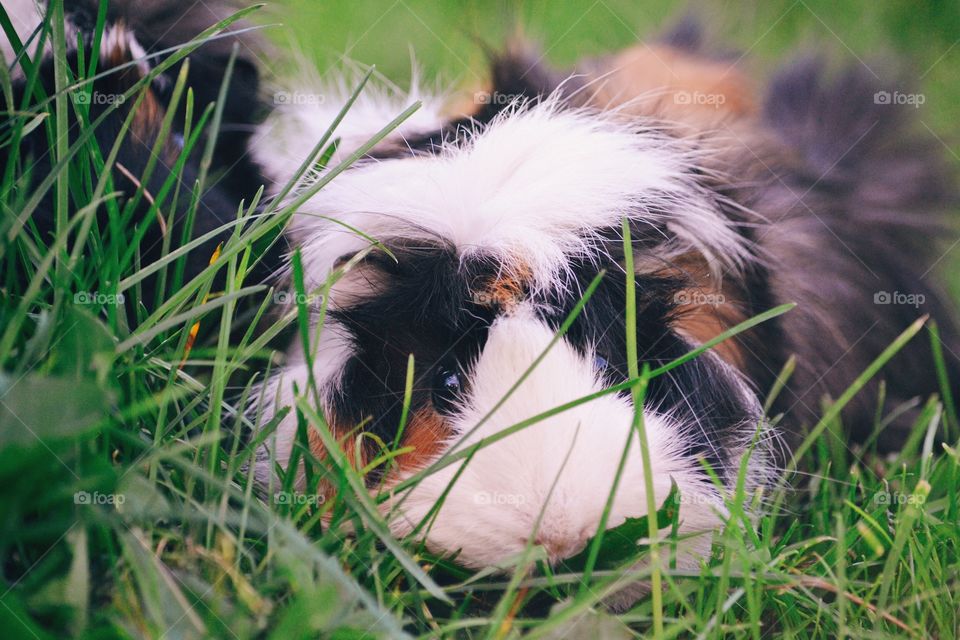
(127, 509)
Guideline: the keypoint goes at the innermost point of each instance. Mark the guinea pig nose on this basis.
(562, 545)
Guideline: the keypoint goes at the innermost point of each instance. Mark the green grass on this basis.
(127, 508)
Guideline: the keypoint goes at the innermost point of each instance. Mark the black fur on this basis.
(423, 307)
(872, 196)
(700, 393)
(158, 25)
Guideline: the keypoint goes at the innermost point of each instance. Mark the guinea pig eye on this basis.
(600, 363)
(447, 387)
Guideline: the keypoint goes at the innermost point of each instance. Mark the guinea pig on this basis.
(483, 250)
(465, 241)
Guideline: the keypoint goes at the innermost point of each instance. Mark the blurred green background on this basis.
(919, 39)
(922, 37)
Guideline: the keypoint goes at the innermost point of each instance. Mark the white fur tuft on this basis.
(562, 467)
(532, 189)
(304, 111)
(26, 16)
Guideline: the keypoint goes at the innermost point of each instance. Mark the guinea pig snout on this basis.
(549, 481)
(562, 543)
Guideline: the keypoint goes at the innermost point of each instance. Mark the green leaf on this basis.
(70, 592)
(167, 609)
(623, 542)
(83, 346)
(592, 624)
(141, 499)
(37, 410)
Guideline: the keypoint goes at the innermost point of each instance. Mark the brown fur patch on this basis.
(505, 290)
(674, 85)
(116, 51)
(349, 444)
(148, 119)
(706, 308)
(426, 433)
(704, 321)
(467, 102)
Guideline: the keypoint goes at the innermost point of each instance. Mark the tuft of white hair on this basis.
(26, 16)
(549, 481)
(534, 188)
(304, 109)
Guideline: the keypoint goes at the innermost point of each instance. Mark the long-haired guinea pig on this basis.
(491, 225)
(466, 241)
